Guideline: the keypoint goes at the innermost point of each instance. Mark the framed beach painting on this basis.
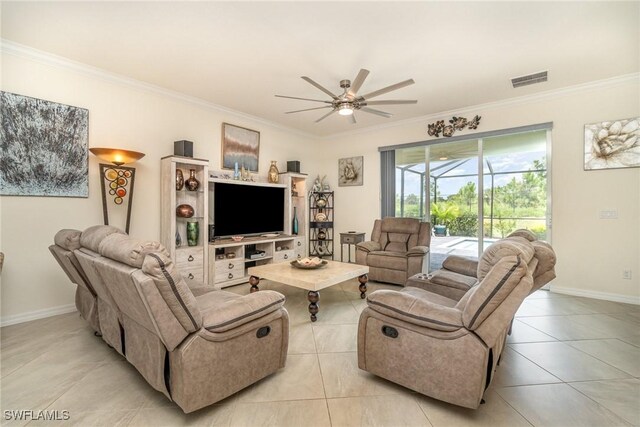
(612, 145)
(240, 145)
(43, 148)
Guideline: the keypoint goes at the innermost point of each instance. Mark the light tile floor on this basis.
(569, 362)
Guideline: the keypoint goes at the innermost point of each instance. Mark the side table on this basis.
(350, 238)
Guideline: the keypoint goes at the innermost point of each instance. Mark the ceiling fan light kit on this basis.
(349, 101)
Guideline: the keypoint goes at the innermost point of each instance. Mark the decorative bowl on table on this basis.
(308, 263)
(237, 238)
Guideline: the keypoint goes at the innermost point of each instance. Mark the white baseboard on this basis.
(37, 314)
(627, 299)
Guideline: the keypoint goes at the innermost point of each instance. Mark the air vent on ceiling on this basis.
(530, 79)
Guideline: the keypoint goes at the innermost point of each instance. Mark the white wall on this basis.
(591, 252)
(120, 115)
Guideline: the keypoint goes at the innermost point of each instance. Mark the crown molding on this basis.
(19, 50)
(509, 102)
(26, 52)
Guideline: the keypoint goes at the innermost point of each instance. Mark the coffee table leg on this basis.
(363, 285)
(254, 281)
(313, 297)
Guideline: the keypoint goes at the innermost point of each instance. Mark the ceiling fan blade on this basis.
(357, 82)
(388, 89)
(303, 99)
(307, 109)
(353, 119)
(378, 112)
(325, 90)
(390, 102)
(326, 115)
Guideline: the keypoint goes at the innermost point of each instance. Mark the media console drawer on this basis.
(282, 256)
(191, 275)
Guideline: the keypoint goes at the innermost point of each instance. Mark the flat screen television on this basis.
(241, 209)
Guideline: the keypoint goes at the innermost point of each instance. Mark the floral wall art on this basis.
(43, 148)
(350, 171)
(612, 145)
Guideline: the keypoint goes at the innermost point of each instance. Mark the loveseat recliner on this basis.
(441, 347)
(195, 345)
(459, 274)
(398, 249)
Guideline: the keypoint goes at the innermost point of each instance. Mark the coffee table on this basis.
(313, 280)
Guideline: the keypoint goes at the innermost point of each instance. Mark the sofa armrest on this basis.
(418, 251)
(368, 246)
(237, 311)
(461, 265)
(415, 310)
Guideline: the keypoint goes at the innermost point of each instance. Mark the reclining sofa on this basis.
(442, 347)
(195, 345)
(459, 274)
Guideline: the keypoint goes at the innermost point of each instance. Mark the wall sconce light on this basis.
(119, 179)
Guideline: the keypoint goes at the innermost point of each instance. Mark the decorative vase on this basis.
(178, 240)
(184, 211)
(322, 235)
(294, 225)
(274, 173)
(321, 202)
(192, 183)
(179, 180)
(192, 233)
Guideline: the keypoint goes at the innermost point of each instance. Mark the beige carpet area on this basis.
(570, 362)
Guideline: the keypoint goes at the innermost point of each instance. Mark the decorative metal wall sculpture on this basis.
(611, 145)
(455, 124)
(43, 148)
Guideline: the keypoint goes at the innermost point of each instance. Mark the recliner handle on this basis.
(390, 331)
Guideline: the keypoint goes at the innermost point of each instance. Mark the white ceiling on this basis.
(239, 54)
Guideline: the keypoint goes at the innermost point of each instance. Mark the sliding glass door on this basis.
(475, 191)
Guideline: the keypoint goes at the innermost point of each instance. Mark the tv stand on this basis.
(229, 260)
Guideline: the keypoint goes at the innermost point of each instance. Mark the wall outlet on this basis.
(609, 214)
(626, 274)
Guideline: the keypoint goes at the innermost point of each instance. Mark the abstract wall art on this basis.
(240, 145)
(612, 145)
(43, 148)
(350, 171)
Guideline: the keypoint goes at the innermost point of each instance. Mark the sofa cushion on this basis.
(400, 225)
(463, 265)
(484, 298)
(452, 279)
(173, 289)
(525, 234)
(388, 259)
(92, 236)
(430, 296)
(397, 242)
(415, 307)
(222, 311)
(121, 247)
(68, 239)
(512, 246)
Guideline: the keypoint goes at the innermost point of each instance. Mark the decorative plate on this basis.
(321, 216)
(296, 264)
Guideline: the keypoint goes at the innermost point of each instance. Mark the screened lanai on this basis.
(441, 184)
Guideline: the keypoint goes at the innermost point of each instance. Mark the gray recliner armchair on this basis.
(397, 250)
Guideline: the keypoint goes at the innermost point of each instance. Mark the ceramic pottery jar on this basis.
(184, 211)
(179, 180)
(192, 183)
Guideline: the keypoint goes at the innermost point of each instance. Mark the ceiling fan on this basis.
(350, 101)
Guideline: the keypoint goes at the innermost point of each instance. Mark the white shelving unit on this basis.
(192, 261)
